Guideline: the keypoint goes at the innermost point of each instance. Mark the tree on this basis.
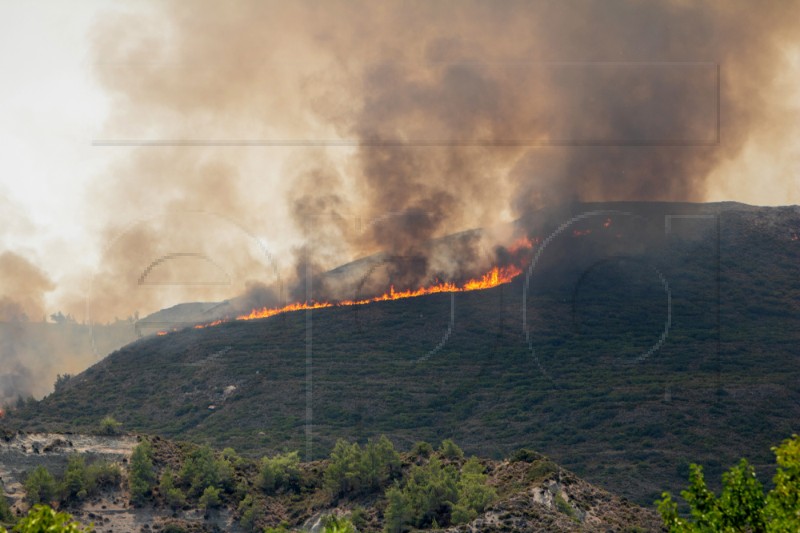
(201, 470)
(40, 487)
(742, 505)
(76, 485)
(399, 515)
(210, 498)
(450, 450)
(142, 475)
(282, 470)
(42, 518)
(474, 495)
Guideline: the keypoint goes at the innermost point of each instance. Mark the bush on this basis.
(40, 487)
(742, 505)
(438, 494)
(524, 455)
(142, 476)
(110, 426)
(473, 493)
(76, 485)
(6, 516)
(201, 470)
(282, 470)
(249, 514)
(173, 496)
(43, 518)
(336, 524)
(353, 470)
(210, 498)
(104, 474)
(422, 449)
(450, 450)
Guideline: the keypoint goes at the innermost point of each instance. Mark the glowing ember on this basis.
(607, 223)
(795, 237)
(580, 233)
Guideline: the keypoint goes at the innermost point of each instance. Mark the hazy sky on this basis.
(68, 79)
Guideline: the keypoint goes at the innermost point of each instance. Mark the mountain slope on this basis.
(645, 348)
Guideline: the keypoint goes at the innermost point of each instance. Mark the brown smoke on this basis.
(463, 114)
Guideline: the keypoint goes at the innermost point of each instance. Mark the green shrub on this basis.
(173, 496)
(422, 449)
(201, 470)
(282, 470)
(742, 505)
(40, 487)
(76, 485)
(474, 495)
(450, 450)
(564, 507)
(42, 518)
(104, 474)
(249, 514)
(142, 475)
(540, 470)
(353, 470)
(210, 498)
(337, 524)
(524, 455)
(110, 426)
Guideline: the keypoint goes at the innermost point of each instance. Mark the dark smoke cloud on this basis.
(467, 113)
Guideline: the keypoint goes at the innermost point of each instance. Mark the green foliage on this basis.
(104, 474)
(40, 487)
(282, 470)
(564, 507)
(42, 518)
(422, 449)
(742, 505)
(337, 524)
(399, 514)
(174, 496)
(249, 513)
(142, 475)
(438, 494)
(353, 470)
(110, 426)
(201, 470)
(450, 450)
(474, 495)
(540, 470)
(210, 498)
(524, 455)
(76, 485)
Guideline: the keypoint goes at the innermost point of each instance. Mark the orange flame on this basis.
(493, 278)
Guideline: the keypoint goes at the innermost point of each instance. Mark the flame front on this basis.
(493, 278)
(496, 276)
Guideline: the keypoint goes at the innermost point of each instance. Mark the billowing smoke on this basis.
(443, 116)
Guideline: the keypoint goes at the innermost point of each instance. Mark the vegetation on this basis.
(42, 518)
(202, 470)
(436, 493)
(142, 474)
(110, 426)
(742, 504)
(355, 470)
(40, 486)
(279, 471)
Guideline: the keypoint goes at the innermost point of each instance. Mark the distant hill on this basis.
(645, 336)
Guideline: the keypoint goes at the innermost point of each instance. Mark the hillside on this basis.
(533, 493)
(656, 337)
